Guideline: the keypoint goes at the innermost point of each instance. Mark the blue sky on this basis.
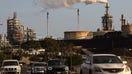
(62, 19)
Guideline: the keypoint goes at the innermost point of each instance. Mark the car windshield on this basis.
(106, 59)
(55, 62)
(9, 63)
(39, 64)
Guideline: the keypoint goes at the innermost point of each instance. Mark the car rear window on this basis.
(39, 64)
(55, 62)
(106, 59)
(10, 63)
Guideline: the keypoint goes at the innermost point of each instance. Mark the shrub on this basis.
(35, 58)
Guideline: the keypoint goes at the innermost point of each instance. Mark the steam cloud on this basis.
(53, 4)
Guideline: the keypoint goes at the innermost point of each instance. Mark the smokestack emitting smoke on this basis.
(52, 4)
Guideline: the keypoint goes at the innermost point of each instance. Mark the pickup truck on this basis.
(10, 66)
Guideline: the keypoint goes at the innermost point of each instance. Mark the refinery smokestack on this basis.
(47, 24)
(123, 20)
(15, 15)
(78, 19)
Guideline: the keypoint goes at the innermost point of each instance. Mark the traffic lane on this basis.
(26, 70)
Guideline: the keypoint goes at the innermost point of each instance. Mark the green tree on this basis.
(66, 48)
(31, 44)
(51, 45)
(76, 60)
(35, 58)
(4, 57)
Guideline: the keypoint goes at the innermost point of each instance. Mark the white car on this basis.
(10, 66)
(104, 64)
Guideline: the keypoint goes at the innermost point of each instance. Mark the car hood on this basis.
(58, 66)
(109, 65)
(38, 67)
(10, 66)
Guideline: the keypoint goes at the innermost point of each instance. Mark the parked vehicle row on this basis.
(93, 64)
(53, 66)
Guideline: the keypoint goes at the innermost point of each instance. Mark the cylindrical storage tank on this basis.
(77, 35)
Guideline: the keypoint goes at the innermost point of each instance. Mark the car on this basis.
(104, 64)
(10, 66)
(38, 68)
(56, 66)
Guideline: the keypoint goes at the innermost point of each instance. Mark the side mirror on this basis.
(124, 62)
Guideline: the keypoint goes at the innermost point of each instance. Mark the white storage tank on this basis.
(77, 35)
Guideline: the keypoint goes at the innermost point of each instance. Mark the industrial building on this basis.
(107, 21)
(3, 41)
(30, 34)
(126, 27)
(105, 38)
(16, 32)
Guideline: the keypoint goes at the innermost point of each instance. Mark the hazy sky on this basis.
(33, 16)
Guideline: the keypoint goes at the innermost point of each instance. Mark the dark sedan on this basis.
(57, 66)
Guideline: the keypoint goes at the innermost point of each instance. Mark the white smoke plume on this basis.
(53, 4)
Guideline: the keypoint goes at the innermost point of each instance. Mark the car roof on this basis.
(55, 60)
(102, 55)
(38, 63)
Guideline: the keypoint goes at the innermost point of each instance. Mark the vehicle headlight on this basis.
(66, 68)
(97, 69)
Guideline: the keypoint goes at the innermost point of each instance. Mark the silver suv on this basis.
(38, 68)
(10, 66)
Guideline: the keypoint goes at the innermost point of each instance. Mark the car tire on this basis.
(90, 71)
